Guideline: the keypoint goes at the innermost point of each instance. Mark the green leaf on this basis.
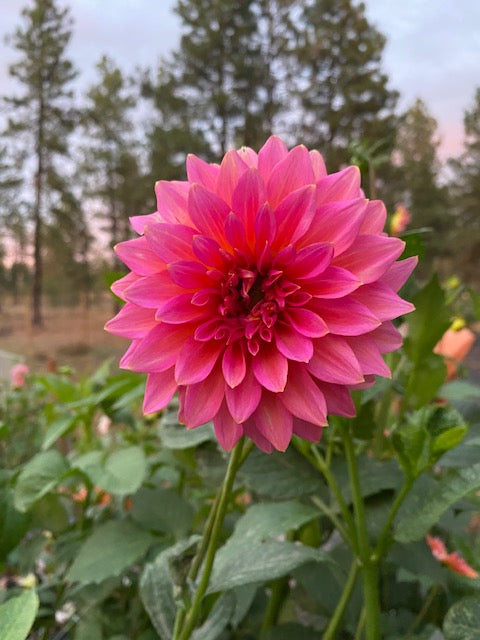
(13, 524)
(175, 436)
(458, 390)
(162, 510)
(57, 429)
(280, 476)
(122, 472)
(218, 618)
(292, 631)
(41, 474)
(239, 562)
(17, 615)
(424, 506)
(428, 323)
(269, 520)
(112, 548)
(462, 621)
(157, 586)
(426, 379)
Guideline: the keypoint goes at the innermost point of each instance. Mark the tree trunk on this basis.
(37, 286)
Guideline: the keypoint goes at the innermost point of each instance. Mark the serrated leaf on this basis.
(280, 476)
(269, 520)
(459, 390)
(157, 586)
(175, 436)
(292, 631)
(57, 429)
(41, 474)
(13, 524)
(462, 621)
(122, 472)
(112, 548)
(17, 615)
(162, 510)
(238, 562)
(218, 618)
(423, 507)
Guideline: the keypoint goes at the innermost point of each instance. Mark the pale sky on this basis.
(432, 52)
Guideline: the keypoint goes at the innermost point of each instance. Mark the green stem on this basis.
(279, 591)
(425, 607)
(360, 625)
(332, 517)
(369, 566)
(335, 620)
(194, 610)
(383, 539)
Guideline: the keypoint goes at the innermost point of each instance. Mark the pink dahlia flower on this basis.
(18, 375)
(263, 290)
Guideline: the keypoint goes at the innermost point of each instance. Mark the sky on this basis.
(432, 50)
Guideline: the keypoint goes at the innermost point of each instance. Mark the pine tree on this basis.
(465, 189)
(341, 93)
(417, 146)
(42, 112)
(111, 168)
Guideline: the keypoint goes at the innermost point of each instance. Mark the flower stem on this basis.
(368, 560)
(331, 630)
(277, 597)
(382, 542)
(193, 612)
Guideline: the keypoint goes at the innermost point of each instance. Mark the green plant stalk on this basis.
(193, 612)
(279, 592)
(335, 620)
(318, 502)
(369, 567)
(382, 542)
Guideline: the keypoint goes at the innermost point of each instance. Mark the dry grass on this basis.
(71, 336)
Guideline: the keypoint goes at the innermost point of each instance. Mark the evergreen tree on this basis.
(340, 90)
(417, 145)
(465, 189)
(42, 112)
(113, 177)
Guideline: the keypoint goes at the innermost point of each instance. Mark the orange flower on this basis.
(399, 220)
(454, 346)
(451, 560)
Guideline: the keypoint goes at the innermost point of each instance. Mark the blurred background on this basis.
(101, 99)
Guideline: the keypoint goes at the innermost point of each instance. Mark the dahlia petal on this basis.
(131, 322)
(152, 291)
(399, 273)
(119, 286)
(292, 344)
(337, 223)
(370, 256)
(248, 196)
(196, 360)
(249, 156)
(139, 257)
(310, 261)
(180, 309)
(343, 185)
(294, 215)
(375, 218)
(307, 430)
(306, 322)
(233, 364)
(228, 432)
(231, 168)
(387, 338)
(382, 301)
(251, 431)
(338, 398)
(274, 421)
(366, 384)
(207, 330)
(158, 350)
(170, 241)
(243, 399)
(207, 251)
(235, 232)
(189, 274)
(368, 356)
(270, 368)
(273, 151)
(172, 199)
(159, 390)
(265, 227)
(318, 165)
(303, 398)
(140, 222)
(291, 173)
(334, 282)
(208, 212)
(202, 172)
(335, 361)
(203, 400)
(127, 356)
(345, 317)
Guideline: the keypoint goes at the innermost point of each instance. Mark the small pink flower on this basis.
(263, 290)
(399, 220)
(451, 560)
(18, 374)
